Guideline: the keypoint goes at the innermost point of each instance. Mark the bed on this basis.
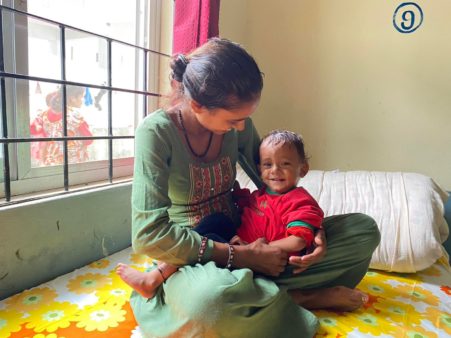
(409, 288)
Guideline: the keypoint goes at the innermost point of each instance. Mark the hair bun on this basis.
(178, 66)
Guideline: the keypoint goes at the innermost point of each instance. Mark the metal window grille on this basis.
(5, 140)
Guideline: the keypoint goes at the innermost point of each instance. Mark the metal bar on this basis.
(145, 66)
(110, 113)
(78, 29)
(6, 172)
(68, 138)
(72, 83)
(64, 103)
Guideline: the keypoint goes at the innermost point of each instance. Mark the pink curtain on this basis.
(195, 21)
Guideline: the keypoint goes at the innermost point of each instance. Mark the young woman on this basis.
(184, 170)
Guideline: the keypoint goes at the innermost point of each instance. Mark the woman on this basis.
(50, 124)
(184, 170)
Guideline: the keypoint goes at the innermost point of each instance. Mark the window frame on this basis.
(26, 180)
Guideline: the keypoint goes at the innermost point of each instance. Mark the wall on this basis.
(363, 95)
(44, 239)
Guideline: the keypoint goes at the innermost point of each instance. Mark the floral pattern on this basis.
(87, 283)
(93, 302)
(51, 317)
(100, 317)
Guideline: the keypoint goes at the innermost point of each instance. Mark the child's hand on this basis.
(236, 240)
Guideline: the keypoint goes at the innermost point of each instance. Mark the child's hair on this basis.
(55, 99)
(290, 138)
(218, 74)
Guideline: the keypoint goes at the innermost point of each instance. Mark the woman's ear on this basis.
(196, 107)
(304, 169)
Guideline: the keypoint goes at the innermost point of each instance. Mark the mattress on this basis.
(93, 302)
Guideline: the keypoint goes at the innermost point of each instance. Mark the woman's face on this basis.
(220, 121)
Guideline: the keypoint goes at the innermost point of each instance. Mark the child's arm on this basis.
(289, 244)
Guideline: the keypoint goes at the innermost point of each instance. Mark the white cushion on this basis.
(407, 207)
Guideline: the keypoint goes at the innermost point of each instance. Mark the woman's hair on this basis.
(218, 74)
(287, 137)
(55, 99)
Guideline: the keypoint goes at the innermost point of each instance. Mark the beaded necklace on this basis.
(188, 142)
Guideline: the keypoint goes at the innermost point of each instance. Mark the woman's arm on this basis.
(257, 256)
(153, 233)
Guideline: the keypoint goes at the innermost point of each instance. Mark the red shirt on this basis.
(275, 216)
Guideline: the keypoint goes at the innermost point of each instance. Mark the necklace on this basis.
(188, 142)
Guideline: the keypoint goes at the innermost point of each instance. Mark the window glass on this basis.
(44, 48)
(86, 62)
(86, 58)
(98, 31)
(117, 19)
(127, 66)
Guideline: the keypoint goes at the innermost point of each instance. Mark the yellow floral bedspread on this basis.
(93, 302)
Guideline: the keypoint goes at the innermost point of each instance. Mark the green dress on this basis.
(172, 191)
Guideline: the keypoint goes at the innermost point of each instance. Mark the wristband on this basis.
(203, 246)
(231, 254)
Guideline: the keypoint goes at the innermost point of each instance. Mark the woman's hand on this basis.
(303, 262)
(261, 257)
(236, 240)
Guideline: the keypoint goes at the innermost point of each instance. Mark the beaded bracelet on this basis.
(203, 246)
(231, 254)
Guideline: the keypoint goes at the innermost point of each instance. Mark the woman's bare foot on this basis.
(338, 298)
(145, 283)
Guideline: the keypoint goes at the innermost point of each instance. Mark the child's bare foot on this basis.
(145, 283)
(338, 298)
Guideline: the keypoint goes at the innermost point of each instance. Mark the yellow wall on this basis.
(363, 95)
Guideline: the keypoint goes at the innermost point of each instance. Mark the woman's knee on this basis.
(370, 230)
(357, 232)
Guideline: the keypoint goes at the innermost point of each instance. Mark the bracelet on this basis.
(160, 270)
(231, 254)
(203, 246)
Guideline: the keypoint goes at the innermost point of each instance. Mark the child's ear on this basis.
(304, 169)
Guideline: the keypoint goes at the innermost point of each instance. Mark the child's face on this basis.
(280, 166)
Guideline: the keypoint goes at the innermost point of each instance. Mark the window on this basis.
(78, 77)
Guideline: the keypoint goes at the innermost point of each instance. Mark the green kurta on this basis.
(172, 191)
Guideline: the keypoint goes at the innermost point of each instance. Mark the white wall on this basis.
(363, 95)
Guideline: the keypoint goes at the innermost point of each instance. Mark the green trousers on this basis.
(206, 301)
